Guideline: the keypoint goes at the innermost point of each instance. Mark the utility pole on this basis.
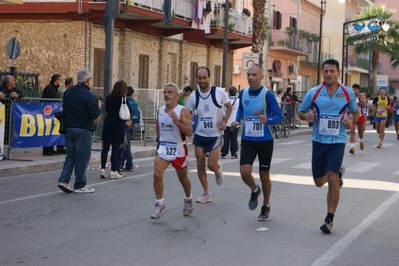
(111, 13)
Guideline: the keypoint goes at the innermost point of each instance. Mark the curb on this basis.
(48, 166)
(27, 167)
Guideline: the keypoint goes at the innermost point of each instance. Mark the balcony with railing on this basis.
(184, 9)
(293, 44)
(158, 18)
(311, 59)
(147, 17)
(355, 61)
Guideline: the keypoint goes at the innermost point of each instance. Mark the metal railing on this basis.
(359, 62)
(9, 123)
(312, 58)
(184, 9)
(27, 83)
(238, 22)
(292, 41)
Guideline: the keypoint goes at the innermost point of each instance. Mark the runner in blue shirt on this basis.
(259, 110)
(326, 105)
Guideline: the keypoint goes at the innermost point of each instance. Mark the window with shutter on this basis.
(217, 75)
(193, 74)
(98, 71)
(144, 68)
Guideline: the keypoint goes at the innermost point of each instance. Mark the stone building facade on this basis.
(63, 47)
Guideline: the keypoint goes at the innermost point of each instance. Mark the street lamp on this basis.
(322, 7)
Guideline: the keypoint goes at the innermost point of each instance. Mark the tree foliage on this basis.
(258, 27)
(387, 42)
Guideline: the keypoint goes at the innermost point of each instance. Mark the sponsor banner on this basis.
(364, 30)
(35, 125)
(2, 126)
(382, 82)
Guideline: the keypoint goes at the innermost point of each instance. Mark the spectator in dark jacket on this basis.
(294, 97)
(81, 108)
(68, 83)
(8, 88)
(50, 92)
(113, 129)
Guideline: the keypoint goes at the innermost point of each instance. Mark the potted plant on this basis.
(231, 27)
(281, 42)
(314, 37)
(304, 34)
(291, 30)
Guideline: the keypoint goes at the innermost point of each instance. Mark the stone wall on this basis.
(63, 47)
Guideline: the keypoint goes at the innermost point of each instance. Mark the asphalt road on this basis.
(40, 225)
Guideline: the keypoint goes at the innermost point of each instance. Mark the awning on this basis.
(20, 2)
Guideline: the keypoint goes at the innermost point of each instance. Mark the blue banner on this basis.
(35, 125)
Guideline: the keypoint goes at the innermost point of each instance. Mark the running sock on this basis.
(159, 201)
(330, 217)
(360, 140)
(256, 190)
(191, 196)
(207, 191)
(352, 145)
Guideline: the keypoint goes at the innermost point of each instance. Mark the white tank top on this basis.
(208, 117)
(171, 139)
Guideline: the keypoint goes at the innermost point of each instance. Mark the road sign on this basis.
(13, 48)
(248, 59)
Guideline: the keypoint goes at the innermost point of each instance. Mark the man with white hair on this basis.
(8, 90)
(173, 125)
(81, 108)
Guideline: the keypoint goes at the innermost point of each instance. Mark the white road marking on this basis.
(362, 167)
(340, 246)
(280, 160)
(307, 165)
(292, 142)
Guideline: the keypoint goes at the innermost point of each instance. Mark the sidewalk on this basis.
(25, 161)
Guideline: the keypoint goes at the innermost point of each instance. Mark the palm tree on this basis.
(395, 58)
(258, 22)
(386, 41)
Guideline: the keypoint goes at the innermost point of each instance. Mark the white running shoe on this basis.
(85, 189)
(115, 175)
(204, 198)
(188, 206)
(103, 174)
(65, 187)
(159, 210)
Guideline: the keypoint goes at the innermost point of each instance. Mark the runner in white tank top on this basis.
(171, 139)
(172, 125)
(210, 125)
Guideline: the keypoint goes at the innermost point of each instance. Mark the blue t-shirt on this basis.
(330, 112)
(253, 103)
